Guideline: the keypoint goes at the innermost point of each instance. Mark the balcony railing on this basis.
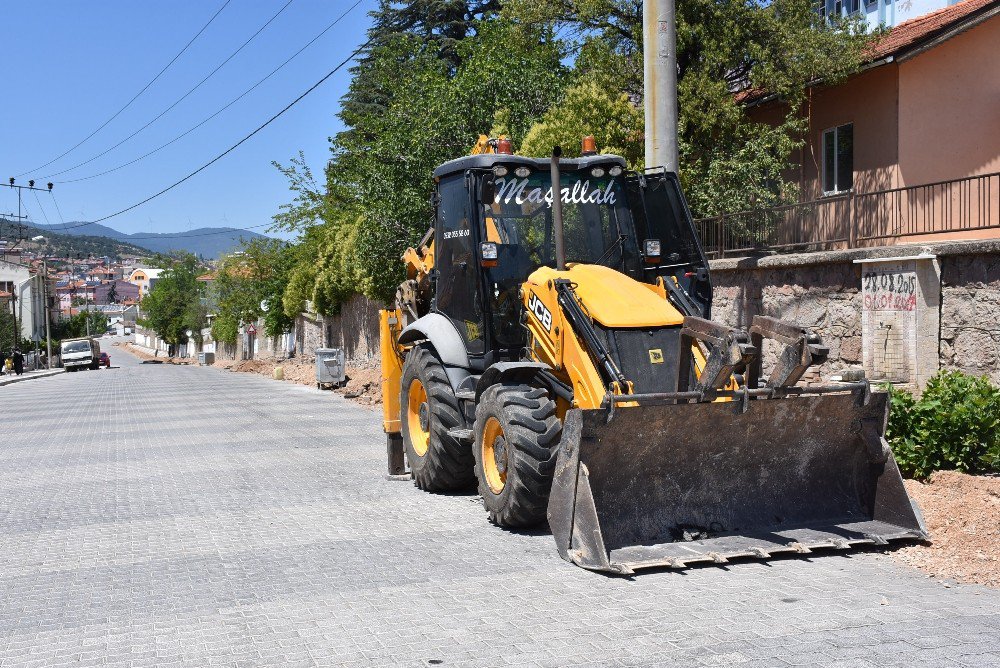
(960, 208)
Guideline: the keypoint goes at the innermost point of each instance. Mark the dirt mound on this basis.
(963, 517)
(364, 382)
(135, 350)
(364, 385)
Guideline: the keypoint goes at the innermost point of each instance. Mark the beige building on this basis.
(144, 278)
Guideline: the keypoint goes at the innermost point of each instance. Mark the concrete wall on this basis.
(949, 108)
(956, 320)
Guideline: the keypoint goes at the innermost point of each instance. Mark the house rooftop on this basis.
(911, 37)
(924, 30)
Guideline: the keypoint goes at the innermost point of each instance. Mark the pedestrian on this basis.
(18, 361)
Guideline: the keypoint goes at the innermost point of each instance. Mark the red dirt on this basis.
(364, 383)
(963, 517)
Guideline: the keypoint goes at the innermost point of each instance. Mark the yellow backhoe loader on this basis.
(554, 345)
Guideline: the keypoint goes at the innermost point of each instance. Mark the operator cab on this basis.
(494, 223)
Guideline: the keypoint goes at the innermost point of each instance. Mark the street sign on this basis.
(36, 338)
(251, 330)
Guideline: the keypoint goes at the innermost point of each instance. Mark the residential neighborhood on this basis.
(501, 333)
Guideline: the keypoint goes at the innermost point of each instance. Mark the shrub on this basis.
(954, 425)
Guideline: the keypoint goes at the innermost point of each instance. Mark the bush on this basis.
(954, 425)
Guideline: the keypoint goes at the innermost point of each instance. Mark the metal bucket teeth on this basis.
(675, 485)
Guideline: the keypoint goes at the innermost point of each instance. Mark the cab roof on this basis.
(488, 160)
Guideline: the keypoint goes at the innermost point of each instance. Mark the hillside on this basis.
(207, 242)
(71, 245)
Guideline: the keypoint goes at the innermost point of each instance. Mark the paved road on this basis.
(161, 515)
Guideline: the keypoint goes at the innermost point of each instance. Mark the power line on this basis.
(134, 97)
(237, 144)
(58, 210)
(40, 207)
(231, 102)
(180, 99)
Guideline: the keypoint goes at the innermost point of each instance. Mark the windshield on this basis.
(596, 220)
(76, 347)
(517, 216)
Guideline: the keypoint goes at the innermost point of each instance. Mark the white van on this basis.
(84, 353)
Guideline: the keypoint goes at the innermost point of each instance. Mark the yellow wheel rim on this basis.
(494, 455)
(418, 417)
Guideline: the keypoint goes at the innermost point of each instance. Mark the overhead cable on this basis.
(179, 100)
(134, 97)
(219, 111)
(237, 144)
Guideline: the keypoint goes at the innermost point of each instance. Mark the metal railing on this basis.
(851, 220)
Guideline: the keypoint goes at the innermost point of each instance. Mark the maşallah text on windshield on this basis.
(580, 192)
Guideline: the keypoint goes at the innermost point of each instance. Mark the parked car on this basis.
(105, 360)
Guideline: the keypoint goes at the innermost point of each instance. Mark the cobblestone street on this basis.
(175, 515)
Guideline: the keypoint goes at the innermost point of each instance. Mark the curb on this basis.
(33, 376)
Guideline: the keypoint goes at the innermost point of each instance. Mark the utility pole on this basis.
(659, 35)
(31, 186)
(17, 234)
(48, 313)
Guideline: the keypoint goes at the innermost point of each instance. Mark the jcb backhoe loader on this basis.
(554, 345)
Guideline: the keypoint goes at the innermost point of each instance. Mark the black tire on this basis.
(446, 464)
(530, 432)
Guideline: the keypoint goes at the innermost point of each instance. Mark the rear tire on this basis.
(428, 409)
(515, 469)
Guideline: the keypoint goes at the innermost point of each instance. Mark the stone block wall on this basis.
(355, 329)
(824, 297)
(970, 314)
(957, 321)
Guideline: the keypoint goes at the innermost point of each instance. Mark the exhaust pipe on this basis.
(557, 218)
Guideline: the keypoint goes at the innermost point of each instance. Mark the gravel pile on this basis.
(963, 516)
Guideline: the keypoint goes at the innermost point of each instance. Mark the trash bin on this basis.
(206, 359)
(329, 367)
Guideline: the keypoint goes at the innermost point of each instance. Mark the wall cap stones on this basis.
(899, 251)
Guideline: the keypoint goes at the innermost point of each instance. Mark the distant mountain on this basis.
(65, 245)
(208, 242)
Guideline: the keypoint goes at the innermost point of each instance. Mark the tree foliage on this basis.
(437, 73)
(251, 284)
(174, 305)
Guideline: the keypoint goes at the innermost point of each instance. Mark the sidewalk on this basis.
(29, 375)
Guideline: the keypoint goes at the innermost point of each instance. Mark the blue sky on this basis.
(69, 66)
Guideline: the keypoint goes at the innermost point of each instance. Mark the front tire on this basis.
(428, 409)
(516, 443)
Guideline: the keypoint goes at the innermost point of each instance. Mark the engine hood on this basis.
(612, 298)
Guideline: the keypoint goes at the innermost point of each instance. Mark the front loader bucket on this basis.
(672, 485)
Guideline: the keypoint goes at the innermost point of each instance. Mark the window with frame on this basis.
(838, 159)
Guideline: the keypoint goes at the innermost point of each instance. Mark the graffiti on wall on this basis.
(888, 320)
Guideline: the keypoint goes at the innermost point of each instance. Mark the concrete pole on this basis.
(659, 33)
(48, 314)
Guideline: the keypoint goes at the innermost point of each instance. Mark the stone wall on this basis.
(355, 329)
(824, 297)
(957, 320)
(970, 314)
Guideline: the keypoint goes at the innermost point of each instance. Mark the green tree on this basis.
(728, 162)
(173, 306)
(251, 284)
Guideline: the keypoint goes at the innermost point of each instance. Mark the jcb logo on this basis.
(656, 356)
(538, 309)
